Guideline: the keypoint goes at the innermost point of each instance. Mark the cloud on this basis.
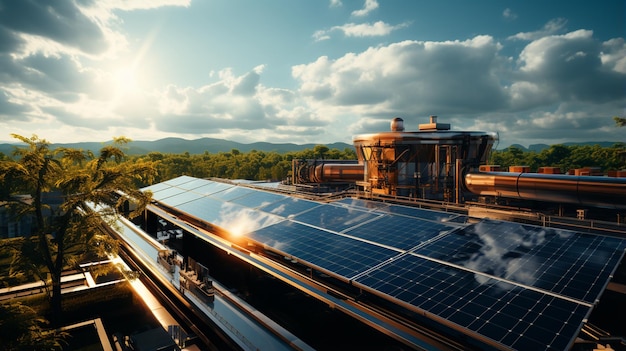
(335, 3)
(567, 85)
(376, 29)
(552, 27)
(415, 76)
(570, 67)
(370, 5)
(509, 14)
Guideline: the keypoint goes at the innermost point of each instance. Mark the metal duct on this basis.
(337, 172)
(608, 192)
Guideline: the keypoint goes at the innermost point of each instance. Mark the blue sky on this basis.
(311, 71)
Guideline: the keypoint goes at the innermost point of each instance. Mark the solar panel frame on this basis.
(443, 276)
(560, 261)
(156, 187)
(232, 193)
(258, 198)
(337, 255)
(402, 233)
(165, 193)
(179, 180)
(180, 198)
(289, 207)
(335, 218)
(484, 307)
(196, 183)
(211, 188)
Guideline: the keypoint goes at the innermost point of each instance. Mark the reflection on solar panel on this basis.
(334, 253)
(334, 217)
(289, 206)
(232, 193)
(546, 258)
(509, 315)
(258, 199)
(403, 210)
(506, 284)
(231, 217)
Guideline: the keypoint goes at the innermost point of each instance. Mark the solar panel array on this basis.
(510, 285)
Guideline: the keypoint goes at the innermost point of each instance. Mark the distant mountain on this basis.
(179, 145)
(540, 147)
(213, 146)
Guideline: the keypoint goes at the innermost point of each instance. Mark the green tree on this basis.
(91, 188)
(22, 329)
(620, 121)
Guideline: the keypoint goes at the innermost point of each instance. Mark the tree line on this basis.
(562, 156)
(253, 165)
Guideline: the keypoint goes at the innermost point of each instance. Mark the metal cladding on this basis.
(436, 163)
(424, 163)
(585, 190)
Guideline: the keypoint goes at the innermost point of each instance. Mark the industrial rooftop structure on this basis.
(415, 240)
(491, 283)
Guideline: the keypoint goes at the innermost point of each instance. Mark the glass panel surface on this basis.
(334, 217)
(515, 317)
(289, 206)
(232, 193)
(179, 180)
(564, 262)
(258, 198)
(211, 188)
(403, 233)
(340, 255)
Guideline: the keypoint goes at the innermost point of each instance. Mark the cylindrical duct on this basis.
(337, 172)
(585, 190)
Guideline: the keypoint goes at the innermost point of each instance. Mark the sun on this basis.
(125, 80)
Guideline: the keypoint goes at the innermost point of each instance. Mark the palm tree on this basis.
(91, 188)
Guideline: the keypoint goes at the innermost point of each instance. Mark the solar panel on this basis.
(196, 183)
(232, 193)
(289, 206)
(211, 188)
(156, 187)
(351, 202)
(400, 232)
(258, 198)
(179, 180)
(165, 193)
(334, 217)
(231, 217)
(509, 315)
(180, 198)
(421, 213)
(507, 284)
(563, 262)
(343, 256)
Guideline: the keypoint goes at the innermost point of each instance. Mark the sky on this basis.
(318, 72)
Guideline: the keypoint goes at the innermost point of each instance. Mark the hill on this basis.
(179, 145)
(540, 147)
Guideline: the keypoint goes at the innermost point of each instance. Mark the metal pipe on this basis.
(608, 192)
(338, 172)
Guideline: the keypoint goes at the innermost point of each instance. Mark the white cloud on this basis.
(369, 6)
(552, 27)
(509, 14)
(375, 29)
(335, 3)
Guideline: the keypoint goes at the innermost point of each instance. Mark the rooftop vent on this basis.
(433, 125)
(397, 125)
